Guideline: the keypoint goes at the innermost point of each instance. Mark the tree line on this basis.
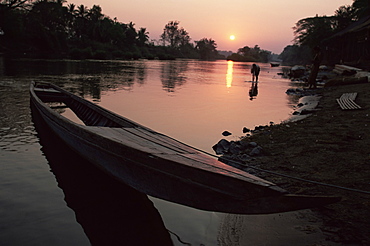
(320, 31)
(55, 29)
(48, 29)
(247, 54)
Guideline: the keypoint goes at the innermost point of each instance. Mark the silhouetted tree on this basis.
(95, 25)
(344, 16)
(43, 27)
(294, 54)
(130, 33)
(175, 35)
(142, 36)
(47, 27)
(362, 8)
(12, 24)
(15, 4)
(311, 31)
(80, 23)
(95, 14)
(206, 48)
(251, 54)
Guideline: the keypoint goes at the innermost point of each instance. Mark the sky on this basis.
(266, 23)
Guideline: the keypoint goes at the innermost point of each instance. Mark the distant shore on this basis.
(331, 146)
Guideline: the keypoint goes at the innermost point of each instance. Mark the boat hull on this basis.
(162, 167)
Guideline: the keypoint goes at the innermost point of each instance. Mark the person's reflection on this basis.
(253, 92)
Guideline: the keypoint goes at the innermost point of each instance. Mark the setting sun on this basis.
(232, 37)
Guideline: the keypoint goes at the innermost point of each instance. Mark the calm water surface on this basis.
(45, 188)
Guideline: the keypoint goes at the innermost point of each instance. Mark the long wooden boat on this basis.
(274, 64)
(158, 165)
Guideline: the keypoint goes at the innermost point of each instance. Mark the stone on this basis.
(221, 147)
(226, 133)
(235, 148)
(245, 130)
(244, 157)
(253, 144)
(244, 144)
(256, 151)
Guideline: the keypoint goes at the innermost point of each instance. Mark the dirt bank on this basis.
(331, 146)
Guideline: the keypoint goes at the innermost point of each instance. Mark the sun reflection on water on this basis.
(229, 74)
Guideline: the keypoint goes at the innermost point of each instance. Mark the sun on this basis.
(232, 37)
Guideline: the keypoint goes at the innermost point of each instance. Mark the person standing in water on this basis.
(255, 72)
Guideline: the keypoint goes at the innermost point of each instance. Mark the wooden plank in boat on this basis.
(130, 140)
(206, 160)
(209, 168)
(162, 140)
(48, 90)
(222, 167)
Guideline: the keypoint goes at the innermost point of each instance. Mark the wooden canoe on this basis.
(158, 165)
(274, 64)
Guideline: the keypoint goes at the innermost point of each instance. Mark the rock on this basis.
(226, 133)
(244, 157)
(221, 147)
(256, 151)
(244, 144)
(235, 148)
(252, 144)
(245, 130)
(258, 127)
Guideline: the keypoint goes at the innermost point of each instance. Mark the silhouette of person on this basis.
(253, 92)
(255, 72)
(315, 68)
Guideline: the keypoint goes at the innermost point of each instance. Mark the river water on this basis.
(50, 196)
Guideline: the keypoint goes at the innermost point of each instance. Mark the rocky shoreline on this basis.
(331, 146)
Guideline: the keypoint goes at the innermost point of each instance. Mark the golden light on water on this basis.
(229, 73)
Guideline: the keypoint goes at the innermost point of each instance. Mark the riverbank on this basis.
(330, 146)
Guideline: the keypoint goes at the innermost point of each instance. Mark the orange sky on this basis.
(267, 23)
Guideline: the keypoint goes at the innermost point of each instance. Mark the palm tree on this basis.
(60, 2)
(81, 20)
(130, 33)
(143, 36)
(72, 9)
(82, 11)
(71, 13)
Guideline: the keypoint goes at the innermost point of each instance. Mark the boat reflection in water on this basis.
(110, 212)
